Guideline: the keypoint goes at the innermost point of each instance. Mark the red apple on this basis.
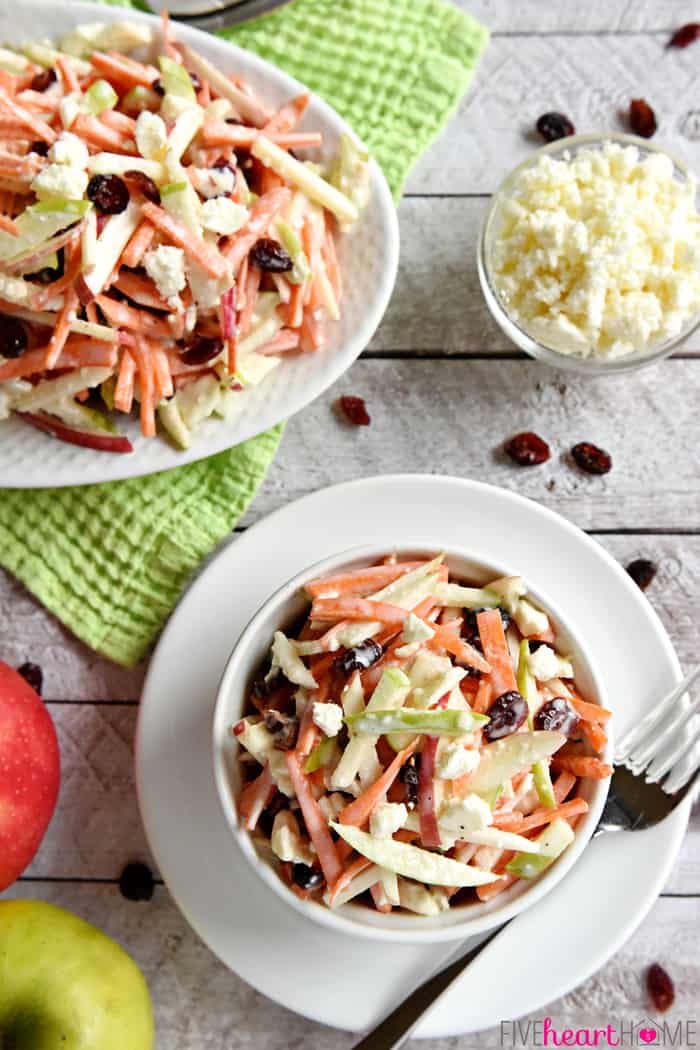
(29, 773)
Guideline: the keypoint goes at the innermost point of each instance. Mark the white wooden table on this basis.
(444, 389)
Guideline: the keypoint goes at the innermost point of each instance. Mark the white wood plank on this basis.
(200, 1005)
(590, 78)
(453, 417)
(437, 305)
(572, 16)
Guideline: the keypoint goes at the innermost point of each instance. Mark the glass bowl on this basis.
(499, 309)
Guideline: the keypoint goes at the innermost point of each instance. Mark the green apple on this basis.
(65, 985)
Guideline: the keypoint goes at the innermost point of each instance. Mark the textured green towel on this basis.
(112, 560)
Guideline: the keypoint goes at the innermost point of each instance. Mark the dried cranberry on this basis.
(590, 458)
(284, 728)
(108, 193)
(42, 81)
(264, 687)
(559, 715)
(305, 877)
(410, 776)
(642, 118)
(157, 86)
(660, 988)
(527, 449)
(139, 182)
(196, 82)
(136, 882)
(33, 674)
(13, 337)
(360, 658)
(39, 147)
(267, 818)
(505, 715)
(270, 255)
(48, 274)
(535, 643)
(642, 572)
(355, 410)
(686, 35)
(553, 126)
(205, 349)
(221, 164)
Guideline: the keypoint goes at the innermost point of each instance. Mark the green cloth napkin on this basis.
(112, 560)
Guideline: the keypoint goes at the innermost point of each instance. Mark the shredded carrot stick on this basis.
(119, 122)
(465, 653)
(139, 244)
(359, 865)
(62, 329)
(328, 610)
(96, 355)
(219, 133)
(312, 335)
(204, 254)
(295, 308)
(68, 75)
(511, 820)
(144, 366)
(590, 712)
(540, 817)
(361, 581)
(98, 134)
(563, 786)
(161, 371)
(122, 70)
(315, 821)
(360, 809)
(120, 315)
(9, 225)
(595, 734)
(141, 289)
(582, 766)
(261, 214)
(288, 116)
(124, 390)
(282, 343)
(492, 889)
(39, 128)
(168, 37)
(496, 651)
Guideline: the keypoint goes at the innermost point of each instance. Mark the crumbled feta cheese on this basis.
(14, 289)
(598, 254)
(58, 180)
(286, 842)
(332, 805)
(544, 664)
(69, 149)
(462, 815)
(151, 135)
(387, 819)
(165, 266)
(213, 182)
(328, 717)
(222, 215)
(456, 761)
(529, 619)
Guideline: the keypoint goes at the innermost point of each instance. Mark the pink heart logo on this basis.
(647, 1035)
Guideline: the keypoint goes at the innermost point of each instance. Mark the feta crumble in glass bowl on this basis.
(260, 731)
(589, 255)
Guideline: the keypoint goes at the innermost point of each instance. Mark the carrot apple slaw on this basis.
(418, 743)
(165, 238)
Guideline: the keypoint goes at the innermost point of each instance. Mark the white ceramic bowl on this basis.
(368, 257)
(285, 607)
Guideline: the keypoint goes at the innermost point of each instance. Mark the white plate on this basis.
(368, 259)
(350, 982)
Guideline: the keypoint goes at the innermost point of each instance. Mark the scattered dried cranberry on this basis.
(557, 715)
(270, 255)
(590, 458)
(158, 87)
(686, 35)
(13, 337)
(642, 572)
(205, 349)
(39, 147)
(553, 126)
(42, 81)
(660, 988)
(264, 687)
(355, 410)
(284, 728)
(642, 118)
(108, 193)
(527, 449)
(33, 674)
(48, 274)
(360, 658)
(139, 182)
(136, 882)
(196, 82)
(409, 776)
(305, 877)
(506, 715)
(221, 164)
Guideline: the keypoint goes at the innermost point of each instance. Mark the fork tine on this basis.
(638, 733)
(663, 763)
(656, 745)
(683, 772)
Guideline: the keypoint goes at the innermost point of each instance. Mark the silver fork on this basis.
(655, 769)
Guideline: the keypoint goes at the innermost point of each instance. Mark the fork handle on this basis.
(392, 1032)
